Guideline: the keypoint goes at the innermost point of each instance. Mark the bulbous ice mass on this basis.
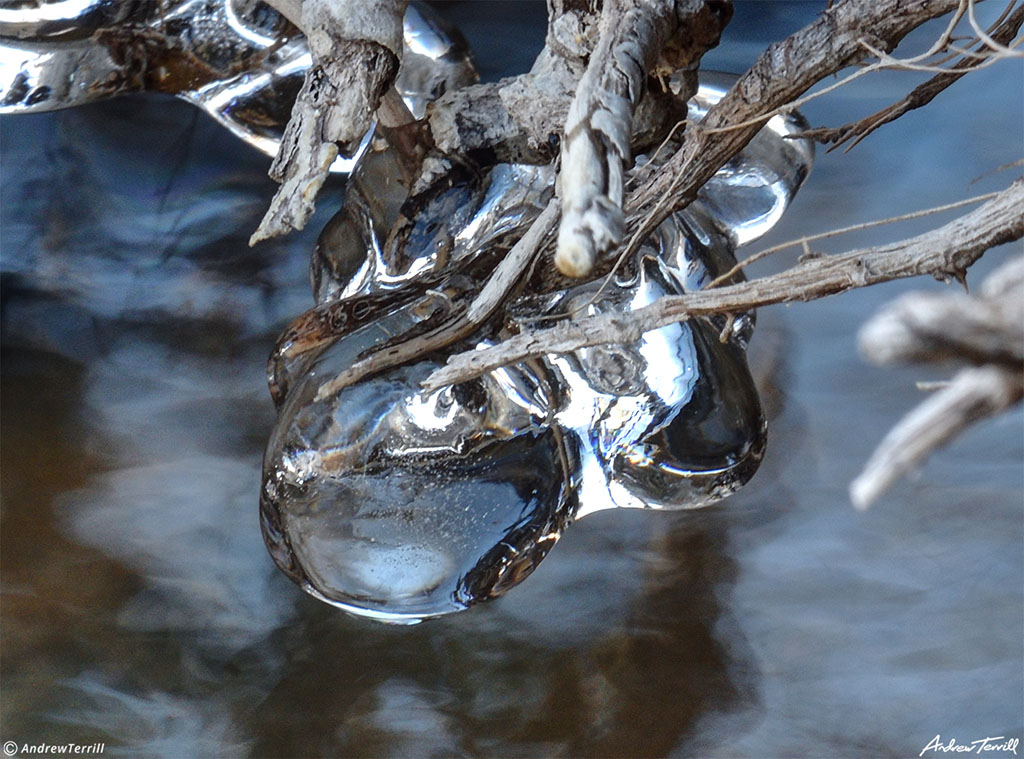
(400, 505)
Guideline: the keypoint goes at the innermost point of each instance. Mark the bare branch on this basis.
(782, 73)
(972, 395)
(920, 95)
(513, 266)
(987, 331)
(943, 252)
(938, 327)
(596, 149)
(356, 47)
(806, 239)
(520, 119)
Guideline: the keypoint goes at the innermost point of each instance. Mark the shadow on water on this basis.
(140, 608)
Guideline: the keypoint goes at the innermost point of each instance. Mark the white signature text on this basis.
(997, 743)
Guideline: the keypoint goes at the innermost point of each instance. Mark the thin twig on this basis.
(943, 252)
(722, 279)
(459, 326)
(974, 393)
(781, 74)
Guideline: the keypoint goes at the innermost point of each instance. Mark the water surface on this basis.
(140, 608)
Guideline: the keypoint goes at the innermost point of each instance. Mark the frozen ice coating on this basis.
(242, 63)
(748, 195)
(401, 505)
(673, 421)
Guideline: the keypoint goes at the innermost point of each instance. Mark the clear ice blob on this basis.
(400, 505)
(379, 498)
(242, 63)
(674, 420)
(748, 195)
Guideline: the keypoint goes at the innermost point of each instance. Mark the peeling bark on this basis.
(356, 47)
(635, 35)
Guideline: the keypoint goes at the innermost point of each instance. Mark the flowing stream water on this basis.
(141, 609)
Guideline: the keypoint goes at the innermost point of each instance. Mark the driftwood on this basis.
(985, 330)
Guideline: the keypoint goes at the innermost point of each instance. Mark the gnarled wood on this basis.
(356, 47)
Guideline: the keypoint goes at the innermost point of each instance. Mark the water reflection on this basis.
(548, 673)
(780, 623)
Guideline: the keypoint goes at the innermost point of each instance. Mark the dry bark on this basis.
(522, 119)
(1003, 33)
(634, 37)
(356, 47)
(786, 70)
(944, 253)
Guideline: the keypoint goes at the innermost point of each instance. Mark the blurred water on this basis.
(139, 607)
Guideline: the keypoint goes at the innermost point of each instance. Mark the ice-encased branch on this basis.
(943, 252)
(634, 36)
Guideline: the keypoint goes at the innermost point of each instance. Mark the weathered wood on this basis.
(944, 252)
(985, 330)
(972, 395)
(596, 146)
(523, 118)
(780, 75)
(356, 46)
(1003, 33)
